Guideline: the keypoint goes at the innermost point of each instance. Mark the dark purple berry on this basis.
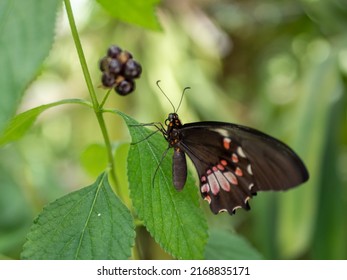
(108, 80)
(103, 63)
(125, 87)
(119, 70)
(114, 66)
(113, 51)
(124, 56)
(132, 69)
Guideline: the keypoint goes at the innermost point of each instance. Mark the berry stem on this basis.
(96, 106)
(105, 98)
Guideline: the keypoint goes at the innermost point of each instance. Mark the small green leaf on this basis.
(26, 36)
(173, 218)
(20, 124)
(94, 159)
(223, 245)
(91, 223)
(137, 12)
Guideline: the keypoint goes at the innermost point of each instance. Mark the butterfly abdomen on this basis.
(179, 169)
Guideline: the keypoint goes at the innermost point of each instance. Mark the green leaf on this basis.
(26, 36)
(224, 245)
(91, 223)
(94, 159)
(20, 124)
(173, 218)
(137, 12)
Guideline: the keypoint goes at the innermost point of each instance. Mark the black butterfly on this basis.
(233, 161)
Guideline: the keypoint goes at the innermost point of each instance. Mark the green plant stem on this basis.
(105, 98)
(81, 54)
(96, 106)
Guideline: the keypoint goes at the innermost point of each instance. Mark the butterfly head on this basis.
(173, 121)
(172, 133)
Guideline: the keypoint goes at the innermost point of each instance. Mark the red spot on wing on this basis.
(220, 167)
(238, 172)
(226, 143)
(234, 158)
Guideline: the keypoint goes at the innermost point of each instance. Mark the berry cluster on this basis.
(119, 70)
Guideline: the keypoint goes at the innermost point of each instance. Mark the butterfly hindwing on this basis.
(234, 162)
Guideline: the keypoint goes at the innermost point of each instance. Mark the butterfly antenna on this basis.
(165, 95)
(179, 104)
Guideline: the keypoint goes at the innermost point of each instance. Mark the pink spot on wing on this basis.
(231, 177)
(203, 179)
(213, 184)
(209, 171)
(214, 168)
(224, 162)
(205, 188)
(223, 182)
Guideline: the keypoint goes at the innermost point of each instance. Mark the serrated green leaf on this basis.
(26, 36)
(137, 12)
(20, 124)
(223, 245)
(173, 218)
(91, 223)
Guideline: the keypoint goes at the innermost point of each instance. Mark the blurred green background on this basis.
(278, 66)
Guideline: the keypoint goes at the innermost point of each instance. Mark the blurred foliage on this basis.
(38, 38)
(279, 66)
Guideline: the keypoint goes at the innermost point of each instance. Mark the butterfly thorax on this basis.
(172, 132)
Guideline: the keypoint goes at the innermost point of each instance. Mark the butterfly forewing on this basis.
(234, 162)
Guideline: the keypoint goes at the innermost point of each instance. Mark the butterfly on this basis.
(233, 162)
